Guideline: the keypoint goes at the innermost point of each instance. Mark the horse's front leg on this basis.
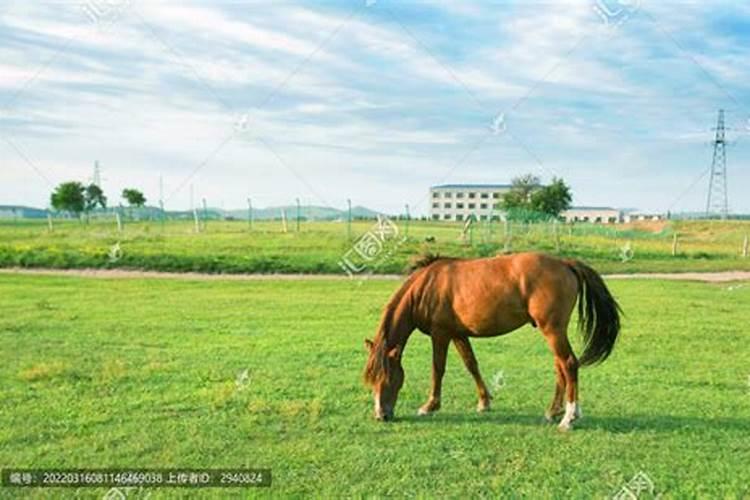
(470, 360)
(439, 354)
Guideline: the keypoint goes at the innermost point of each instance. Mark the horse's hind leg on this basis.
(557, 339)
(556, 406)
(439, 354)
(467, 354)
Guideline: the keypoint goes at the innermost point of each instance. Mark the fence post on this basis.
(196, 220)
(674, 245)
(49, 221)
(283, 220)
(557, 235)
(745, 247)
(408, 217)
(118, 219)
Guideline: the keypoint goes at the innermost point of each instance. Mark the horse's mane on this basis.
(376, 369)
(423, 260)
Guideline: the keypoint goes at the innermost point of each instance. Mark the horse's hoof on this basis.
(483, 407)
(565, 426)
(548, 419)
(427, 410)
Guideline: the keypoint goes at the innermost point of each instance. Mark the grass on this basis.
(142, 373)
(229, 247)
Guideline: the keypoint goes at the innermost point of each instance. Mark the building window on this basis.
(459, 217)
(495, 196)
(436, 195)
(472, 206)
(436, 205)
(484, 195)
(482, 217)
(447, 216)
(483, 206)
(459, 195)
(435, 217)
(459, 205)
(446, 205)
(472, 195)
(447, 195)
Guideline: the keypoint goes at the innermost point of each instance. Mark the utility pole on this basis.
(250, 213)
(96, 179)
(161, 200)
(717, 202)
(298, 213)
(349, 219)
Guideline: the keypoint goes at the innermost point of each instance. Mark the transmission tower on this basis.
(717, 202)
(97, 177)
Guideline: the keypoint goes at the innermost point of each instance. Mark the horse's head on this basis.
(386, 376)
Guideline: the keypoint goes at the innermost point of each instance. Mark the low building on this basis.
(596, 215)
(637, 216)
(457, 202)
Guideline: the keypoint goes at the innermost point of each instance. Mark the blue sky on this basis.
(373, 100)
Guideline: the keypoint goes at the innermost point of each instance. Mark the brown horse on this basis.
(455, 299)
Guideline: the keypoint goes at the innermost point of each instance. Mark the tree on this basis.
(518, 199)
(552, 199)
(134, 197)
(94, 196)
(69, 197)
(528, 199)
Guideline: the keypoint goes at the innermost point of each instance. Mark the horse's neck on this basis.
(398, 324)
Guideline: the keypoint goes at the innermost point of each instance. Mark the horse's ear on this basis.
(368, 344)
(395, 353)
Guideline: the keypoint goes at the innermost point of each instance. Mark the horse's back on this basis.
(492, 296)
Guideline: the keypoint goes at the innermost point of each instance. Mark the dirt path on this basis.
(717, 277)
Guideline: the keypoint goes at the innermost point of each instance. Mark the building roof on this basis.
(472, 186)
(594, 208)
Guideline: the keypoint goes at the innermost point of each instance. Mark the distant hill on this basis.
(22, 212)
(150, 212)
(306, 212)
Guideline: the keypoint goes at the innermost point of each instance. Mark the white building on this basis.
(456, 202)
(597, 215)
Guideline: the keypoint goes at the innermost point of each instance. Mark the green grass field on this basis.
(230, 247)
(143, 373)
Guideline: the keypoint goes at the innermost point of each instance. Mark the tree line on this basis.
(76, 198)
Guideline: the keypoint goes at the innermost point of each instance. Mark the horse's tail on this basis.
(598, 313)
